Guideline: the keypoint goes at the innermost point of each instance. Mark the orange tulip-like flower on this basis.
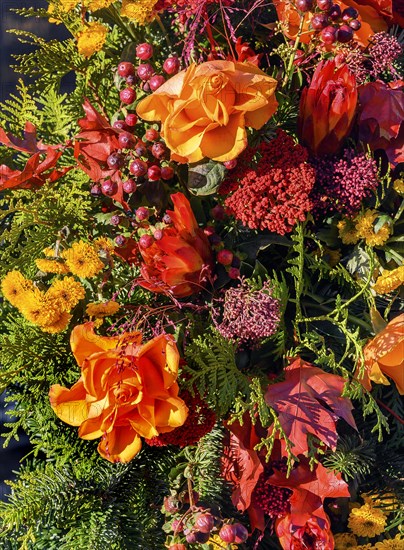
(384, 355)
(312, 534)
(371, 18)
(205, 109)
(327, 108)
(181, 260)
(126, 391)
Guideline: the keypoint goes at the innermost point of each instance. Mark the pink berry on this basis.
(191, 537)
(131, 119)
(156, 81)
(109, 187)
(145, 71)
(115, 160)
(227, 534)
(225, 257)
(138, 168)
(230, 164)
(142, 213)
(241, 533)
(154, 173)
(126, 140)
(96, 190)
(324, 5)
(120, 240)
(319, 21)
(125, 68)
(177, 525)
(304, 5)
(119, 125)
(167, 173)
(171, 65)
(129, 186)
(167, 219)
(329, 35)
(209, 230)
(355, 24)
(158, 150)
(158, 234)
(205, 523)
(234, 273)
(146, 241)
(144, 51)
(127, 96)
(151, 134)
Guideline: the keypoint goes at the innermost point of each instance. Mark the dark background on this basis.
(9, 44)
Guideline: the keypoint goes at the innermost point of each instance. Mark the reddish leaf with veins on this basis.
(309, 402)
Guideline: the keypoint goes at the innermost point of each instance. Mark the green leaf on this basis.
(204, 179)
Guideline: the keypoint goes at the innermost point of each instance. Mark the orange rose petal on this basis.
(396, 373)
(226, 142)
(171, 412)
(85, 342)
(121, 445)
(90, 428)
(69, 405)
(163, 351)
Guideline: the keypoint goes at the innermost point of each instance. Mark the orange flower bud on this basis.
(327, 108)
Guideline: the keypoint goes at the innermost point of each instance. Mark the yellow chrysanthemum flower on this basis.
(102, 310)
(391, 544)
(364, 225)
(367, 521)
(59, 324)
(92, 39)
(14, 287)
(51, 266)
(389, 280)
(142, 11)
(343, 541)
(104, 244)
(363, 547)
(82, 260)
(67, 292)
(347, 232)
(99, 4)
(398, 186)
(68, 5)
(37, 309)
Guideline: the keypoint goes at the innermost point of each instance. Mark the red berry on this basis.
(324, 5)
(240, 532)
(334, 12)
(304, 5)
(209, 230)
(131, 119)
(319, 21)
(171, 65)
(225, 257)
(167, 173)
(177, 525)
(144, 51)
(127, 96)
(129, 186)
(130, 80)
(126, 140)
(125, 68)
(142, 213)
(158, 234)
(344, 34)
(227, 534)
(218, 212)
(114, 160)
(119, 125)
(151, 134)
(177, 546)
(146, 241)
(115, 220)
(230, 164)
(138, 168)
(96, 190)
(158, 150)
(329, 35)
(154, 173)
(141, 149)
(156, 81)
(120, 240)
(167, 219)
(349, 13)
(109, 187)
(191, 537)
(234, 273)
(145, 71)
(205, 523)
(355, 24)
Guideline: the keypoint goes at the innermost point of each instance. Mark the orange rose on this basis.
(205, 109)
(126, 390)
(384, 355)
(370, 18)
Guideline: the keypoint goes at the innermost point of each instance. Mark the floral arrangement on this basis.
(201, 271)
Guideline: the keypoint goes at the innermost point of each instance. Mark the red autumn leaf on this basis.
(28, 144)
(309, 490)
(381, 118)
(309, 402)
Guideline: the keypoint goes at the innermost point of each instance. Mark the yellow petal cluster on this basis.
(367, 521)
(92, 39)
(398, 186)
(82, 259)
(95, 5)
(389, 280)
(142, 11)
(347, 232)
(14, 288)
(364, 225)
(102, 310)
(391, 544)
(344, 541)
(51, 266)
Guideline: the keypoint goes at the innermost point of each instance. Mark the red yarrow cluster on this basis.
(273, 501)
(276, 194)
(199, 422)
(343, 183)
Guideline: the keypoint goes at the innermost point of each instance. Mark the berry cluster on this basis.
(191, 522)
(230, 261)
(332, 23)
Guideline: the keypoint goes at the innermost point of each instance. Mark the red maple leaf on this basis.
(28, 144)
(309, 402)
(309, 490)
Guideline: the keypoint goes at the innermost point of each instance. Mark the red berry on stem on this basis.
(158, 234)
(146, 241)
(171, 65)
(138, 168)
(230, 164)
(334, 12)
(109, 187)
(120, 240)
(234, 273)
(324, 5)
(142, 213)
(119, 125)
(144, 51)
(349, 13)
(151, 134)
(96, 190)
(126, 140)
(129, 186)
(156, 81)
(158, 150)
(167, 173)
(125, 68)
(225, 257)
(140, 149)
(241, 533)
(319, 21)
(218, 212)
(154, 173)
(130, 80)
(114, 160)
(127, 95)
(145, 71)
(205, 523)
(131, 119)
(329, 35)
(304, 5)
(355, 24)
(227, 534)
(344, 34)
